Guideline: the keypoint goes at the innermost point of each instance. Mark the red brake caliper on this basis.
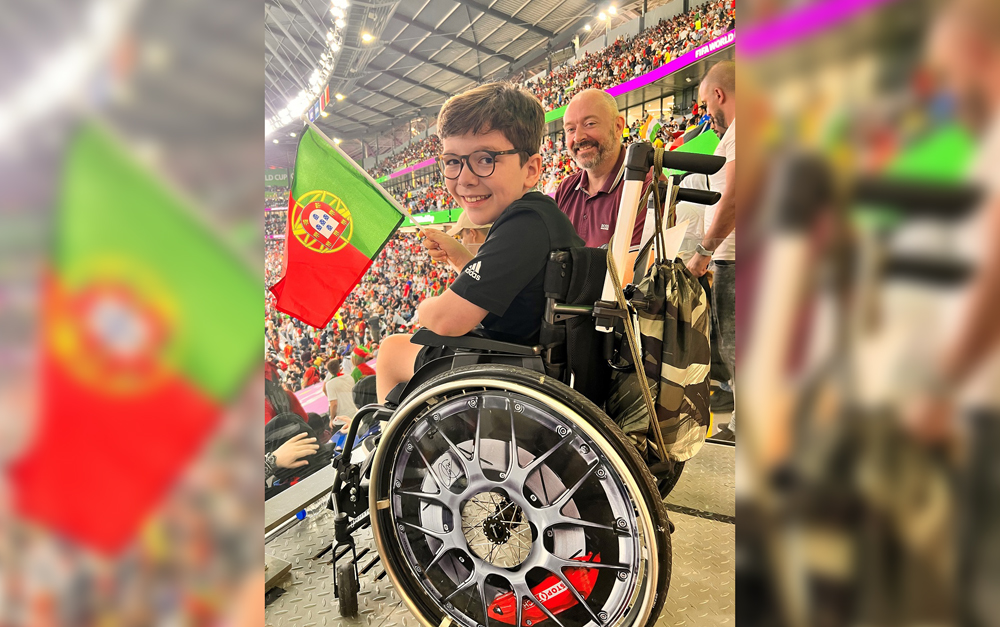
(551, 592)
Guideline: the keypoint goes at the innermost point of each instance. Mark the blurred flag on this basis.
(143, 321)
(339, 219)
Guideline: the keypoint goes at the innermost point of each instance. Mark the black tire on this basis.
(347, 590)
(667, 482)
(610, 444)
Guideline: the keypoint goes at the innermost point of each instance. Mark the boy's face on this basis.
(485, 197)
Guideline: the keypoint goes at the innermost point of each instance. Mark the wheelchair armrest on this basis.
(427, 337)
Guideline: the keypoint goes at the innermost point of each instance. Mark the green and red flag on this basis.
(339, 219)
(702, 144)
(690, 134)
(144, 330)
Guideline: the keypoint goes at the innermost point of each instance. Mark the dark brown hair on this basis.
(503, 107)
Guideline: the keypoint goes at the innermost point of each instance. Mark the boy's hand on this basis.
(443, 247)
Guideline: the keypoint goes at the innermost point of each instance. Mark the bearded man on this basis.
(590, 197)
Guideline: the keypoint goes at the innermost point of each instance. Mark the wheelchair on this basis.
(497, 489)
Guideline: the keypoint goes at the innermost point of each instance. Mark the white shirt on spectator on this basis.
(726, 148)
(341, 389)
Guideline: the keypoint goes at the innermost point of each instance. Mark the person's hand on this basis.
(290, 454)
(443, 247)
(930, 419)
(698, 265)
(340, 419)
(347, 423)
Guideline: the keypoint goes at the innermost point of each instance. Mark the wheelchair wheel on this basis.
(503, 497)
(347, 590)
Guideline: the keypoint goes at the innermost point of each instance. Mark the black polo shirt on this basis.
(505, 278)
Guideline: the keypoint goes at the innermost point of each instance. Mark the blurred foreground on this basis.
(867, 472)
(101, 313)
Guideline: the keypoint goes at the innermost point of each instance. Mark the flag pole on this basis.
(343, 154)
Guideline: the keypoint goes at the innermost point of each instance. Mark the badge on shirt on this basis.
(474, 269)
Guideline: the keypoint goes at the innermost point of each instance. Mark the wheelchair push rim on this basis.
(497, 504)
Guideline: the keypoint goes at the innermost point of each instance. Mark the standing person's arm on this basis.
(722, 224)
(932, 416)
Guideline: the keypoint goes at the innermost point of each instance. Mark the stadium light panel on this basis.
(275, 140)
(366, 37)
(587, 28)
(339, 96)
(340, 23)
(602, 15)
(612, 10)
(324, 114)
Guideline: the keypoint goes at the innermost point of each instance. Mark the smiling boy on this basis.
(490, 159)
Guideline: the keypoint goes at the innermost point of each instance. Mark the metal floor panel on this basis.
(708, 483)
(702, 588)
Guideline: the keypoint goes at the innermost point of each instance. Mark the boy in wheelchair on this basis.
(497, 488)
(490, 160)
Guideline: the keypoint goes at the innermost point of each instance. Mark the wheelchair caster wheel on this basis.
(347, 590)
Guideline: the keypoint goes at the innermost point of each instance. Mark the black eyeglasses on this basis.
(482, 162)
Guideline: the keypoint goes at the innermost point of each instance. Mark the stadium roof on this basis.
(400, 60)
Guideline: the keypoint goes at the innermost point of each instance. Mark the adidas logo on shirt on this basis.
(473, 269)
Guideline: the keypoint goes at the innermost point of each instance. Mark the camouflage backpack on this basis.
(676, 357)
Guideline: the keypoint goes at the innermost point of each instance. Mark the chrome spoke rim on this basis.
(491, 491)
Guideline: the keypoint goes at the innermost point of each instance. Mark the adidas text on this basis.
(473, 270)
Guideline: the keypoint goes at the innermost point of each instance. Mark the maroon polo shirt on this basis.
(594, 217)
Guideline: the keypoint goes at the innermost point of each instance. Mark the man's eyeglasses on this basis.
(482, 162)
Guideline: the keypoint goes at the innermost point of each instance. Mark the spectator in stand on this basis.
(311, 374)
(359, 358)
(590, 198)
(339, 388)
(278, 400)
(472, 236)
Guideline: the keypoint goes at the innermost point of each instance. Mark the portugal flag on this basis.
(338, 221)
(144, 330)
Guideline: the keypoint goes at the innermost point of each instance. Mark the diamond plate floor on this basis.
(702, 588)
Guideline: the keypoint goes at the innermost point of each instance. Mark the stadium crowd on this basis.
(274, 223)
(622, 60)
(275, 196)
(431, 197)
(627, 58)
(414, 153)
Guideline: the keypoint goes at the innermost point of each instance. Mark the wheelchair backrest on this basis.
(574, 348)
